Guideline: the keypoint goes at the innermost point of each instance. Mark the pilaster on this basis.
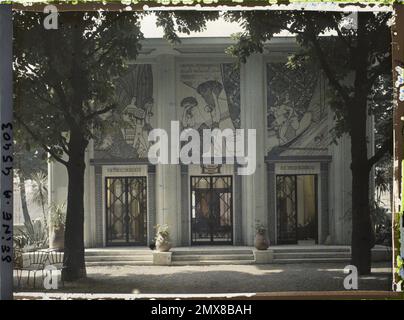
(253, 115)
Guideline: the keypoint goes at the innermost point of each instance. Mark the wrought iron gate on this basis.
(211, 210)
(126, 210)
(286, 202)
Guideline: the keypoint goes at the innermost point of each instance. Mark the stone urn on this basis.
(261, 242)
(163, 244)
(57, 238)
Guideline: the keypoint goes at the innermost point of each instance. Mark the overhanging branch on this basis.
(39, 140)
(101, 111)
(328, 72)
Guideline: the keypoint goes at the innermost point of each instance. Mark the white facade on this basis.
(299, 191)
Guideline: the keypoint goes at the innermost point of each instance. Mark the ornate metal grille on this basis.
(126, 210)
(212, 210)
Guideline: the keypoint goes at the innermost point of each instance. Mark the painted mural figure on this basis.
(203, 117)
(296, 118)
(209, 96)
(191, 112)
(210, 92)
(286, 123)
(138, 124)
(128, 127)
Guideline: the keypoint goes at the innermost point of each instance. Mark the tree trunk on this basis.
(43, 204)
(74, 267)
(44, 215)
(361, 223)
(74, 264)
(24, 207)
(358, 114)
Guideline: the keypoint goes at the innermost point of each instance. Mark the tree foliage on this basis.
(356, 59)
(64, 83)
(331, 40)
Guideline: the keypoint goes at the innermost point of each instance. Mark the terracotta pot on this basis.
(163, 245)
(57, 238)
(261, 242)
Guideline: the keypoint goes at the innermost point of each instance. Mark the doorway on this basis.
(296, 207)
(126, 210)
(211, 210)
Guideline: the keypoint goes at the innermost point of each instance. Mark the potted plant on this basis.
(57, 232)
(261, 242)
(162, 238)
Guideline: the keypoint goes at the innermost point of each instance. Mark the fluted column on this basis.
(253, 115)
(168, 179)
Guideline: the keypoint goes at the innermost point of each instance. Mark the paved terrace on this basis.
(221, 279)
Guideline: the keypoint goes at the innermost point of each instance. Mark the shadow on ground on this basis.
(220, 279)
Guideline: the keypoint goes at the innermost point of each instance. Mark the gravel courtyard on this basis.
(222, 279)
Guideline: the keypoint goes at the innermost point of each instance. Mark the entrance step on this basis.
(177, 252)
(212, 256)
(226, 255)
(211, 262)
(118, 263)
(296, 249)
(118, 257)
(311, 254)
(114, 252)
(311, 260)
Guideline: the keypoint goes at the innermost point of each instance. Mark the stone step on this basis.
(212, 252)
(314, 260)
(311, 255)
(119, 252)
(211, 262)
(297, 249)
(119, 263)
(119, 258)
(194, 257)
